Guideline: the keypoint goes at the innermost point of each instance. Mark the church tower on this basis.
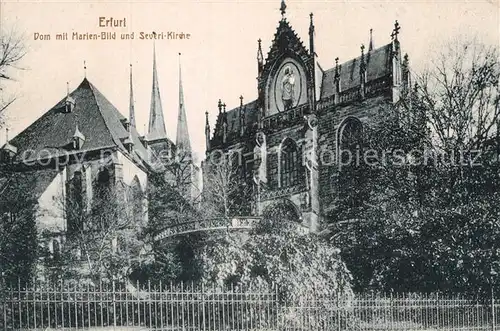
(156, 136)
(188, 176)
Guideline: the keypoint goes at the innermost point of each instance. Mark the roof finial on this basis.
(260, 57)
(85, 68)
(311, 35)
(283, 9)
(370, 46)
(131, 109)
(206, 117)
(219, 105)
(362, 49)
(241, 101)
(395, 31)
(67, 89)
(6, 135)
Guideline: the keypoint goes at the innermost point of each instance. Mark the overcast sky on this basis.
(219, 60)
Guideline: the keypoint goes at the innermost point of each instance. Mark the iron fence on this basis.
(123, 306)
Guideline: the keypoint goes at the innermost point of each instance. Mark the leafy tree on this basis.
(18, 235)
(299, 263)
(430, 222)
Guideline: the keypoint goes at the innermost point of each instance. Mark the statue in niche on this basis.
(288, 88)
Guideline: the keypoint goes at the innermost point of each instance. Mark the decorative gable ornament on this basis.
(8, 152)
(78, 138)
(128, 143)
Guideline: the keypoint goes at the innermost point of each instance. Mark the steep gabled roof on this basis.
(378, 64)
(97, 119)
(232, 118)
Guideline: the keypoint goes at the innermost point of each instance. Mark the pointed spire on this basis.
(182, 141)
(337, 71)
(156, 128)
(370, 45)
(362, 72)
(311, 34)
(207, 131)
(283, 9)
(363, 64)
(207, 123)
(131, 102)
(260, 58)
(337, 80)
(242, 117)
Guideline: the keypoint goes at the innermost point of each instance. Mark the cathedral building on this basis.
(288, 139)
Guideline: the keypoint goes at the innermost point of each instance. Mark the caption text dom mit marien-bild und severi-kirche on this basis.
(110, 22)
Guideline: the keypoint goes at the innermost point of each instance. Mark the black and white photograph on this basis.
(257, 165)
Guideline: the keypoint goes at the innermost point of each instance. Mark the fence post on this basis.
(492, 307)
(114, 304)
(4, 300)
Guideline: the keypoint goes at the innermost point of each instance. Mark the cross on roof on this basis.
(283, 8)
(395, 32)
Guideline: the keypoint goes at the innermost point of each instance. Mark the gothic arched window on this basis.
(135, 200)
(103, 184)
(352, 170)
(350, 139)
(74, 207)
(289, 163)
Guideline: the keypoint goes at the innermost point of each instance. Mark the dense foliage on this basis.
(431, 223)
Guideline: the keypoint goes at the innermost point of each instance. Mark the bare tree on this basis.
(103, 237)
(179, 174)
(224, 193)
(460, 94)
(12, 51)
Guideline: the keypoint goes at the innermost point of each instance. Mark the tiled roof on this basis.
(26, 186)
(97, 119)
(378, 64)
(233, 122)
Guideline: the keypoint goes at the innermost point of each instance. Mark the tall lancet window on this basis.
(352, 174)
(289, 163)
(74, 207)
(350, 139)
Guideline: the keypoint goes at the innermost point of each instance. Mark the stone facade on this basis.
(291, 134)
